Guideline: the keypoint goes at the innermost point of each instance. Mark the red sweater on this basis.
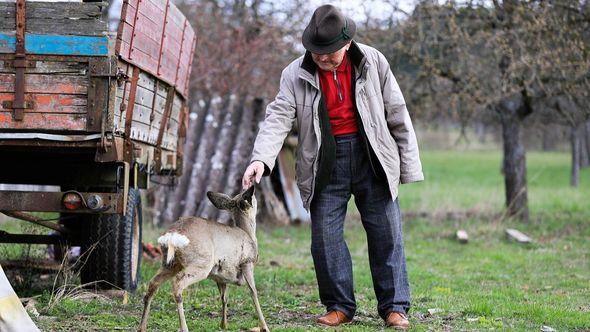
(336, 86)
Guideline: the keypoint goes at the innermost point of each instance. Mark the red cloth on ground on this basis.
(336, 86)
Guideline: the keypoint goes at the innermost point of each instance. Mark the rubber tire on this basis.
(116, 240)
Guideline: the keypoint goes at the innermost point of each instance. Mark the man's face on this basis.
(330, 61)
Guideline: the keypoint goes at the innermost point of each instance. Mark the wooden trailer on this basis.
(95, 113)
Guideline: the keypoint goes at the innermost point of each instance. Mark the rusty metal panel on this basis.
(41, 201)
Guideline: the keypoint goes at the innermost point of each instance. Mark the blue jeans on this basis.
(381, 218)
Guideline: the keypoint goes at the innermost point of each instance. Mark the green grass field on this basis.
(489, 283)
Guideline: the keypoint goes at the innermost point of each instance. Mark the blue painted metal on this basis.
(57, 44)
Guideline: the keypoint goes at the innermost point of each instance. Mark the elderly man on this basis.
(355, 137)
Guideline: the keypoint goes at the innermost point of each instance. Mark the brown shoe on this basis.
(397, 320)
(333, 318)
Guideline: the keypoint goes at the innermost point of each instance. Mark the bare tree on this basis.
(501, 57)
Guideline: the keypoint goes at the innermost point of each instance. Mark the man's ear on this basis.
(221, 201)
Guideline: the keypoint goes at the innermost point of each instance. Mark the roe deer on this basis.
(197, 249)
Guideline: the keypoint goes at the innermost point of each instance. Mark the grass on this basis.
(489, 283)
(471, 180)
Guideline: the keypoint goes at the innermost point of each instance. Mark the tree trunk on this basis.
(548, 138)
(585, 145)
(575, 140)
(240, 157)
(514, 166)
(221, 159)
(272, 210)
(178, 200)
(198, 176)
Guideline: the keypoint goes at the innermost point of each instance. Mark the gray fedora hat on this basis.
(328, 30)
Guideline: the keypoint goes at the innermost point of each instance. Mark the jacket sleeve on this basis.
(278, 121)
(400, 124)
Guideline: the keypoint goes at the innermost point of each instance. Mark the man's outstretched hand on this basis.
(254, 171)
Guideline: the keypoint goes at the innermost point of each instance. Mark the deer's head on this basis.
(242, 207)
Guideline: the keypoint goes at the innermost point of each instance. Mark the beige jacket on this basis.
(381, 107)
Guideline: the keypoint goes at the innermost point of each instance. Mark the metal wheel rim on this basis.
(135, 246)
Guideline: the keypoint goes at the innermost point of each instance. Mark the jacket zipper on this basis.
(338, 87)
(313, 174)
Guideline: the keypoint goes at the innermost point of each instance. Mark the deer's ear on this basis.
(247, 195)
(221, 201)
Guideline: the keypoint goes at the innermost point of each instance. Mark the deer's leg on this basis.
(223, 295)
(181, 281)
(161, 276)
(248, 272)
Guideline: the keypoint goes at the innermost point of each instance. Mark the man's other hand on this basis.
(254, 171)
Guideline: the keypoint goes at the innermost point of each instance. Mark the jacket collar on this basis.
(309, 68)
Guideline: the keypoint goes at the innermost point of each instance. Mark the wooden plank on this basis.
(52, 103)
(140, 132)
(168, 65)
(141, 114)
(143, 60)
(131, 101)
(132, 3)
(58, 10)
(147, 46)
(147, 81)
(168, 37)
(151, 12)
(57, 17)
(175, 16)
(67, 27)
(518, 236)
(123, 50)
(66, 45)
(47, 121)
(163, 37)
(39, 83)
(146, 98)
(159, 4)
(126, 32)
(176, 108)
(152, 30)
(59, 26)
(190, 66)
(51, 67)
(128, 16)
(183, 81)
(182, 55)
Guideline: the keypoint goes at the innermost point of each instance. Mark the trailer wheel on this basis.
(114, 248)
